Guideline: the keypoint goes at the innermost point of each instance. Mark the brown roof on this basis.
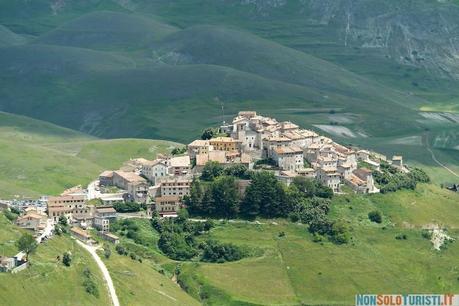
(287, 150)
(130, 176)
(105, 210)
(107, 173)
(80, 232)
(362, 173)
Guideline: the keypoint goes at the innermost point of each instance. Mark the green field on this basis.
(47, 281)
(295, 270)
(41, 158)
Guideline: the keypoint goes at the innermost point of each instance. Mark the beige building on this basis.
(167, 206)
(225, 144)
(288, 158)
(80, 234)
(32, 221)
(73, 207)
(135, 185)
(179, 165)
(197, 147)
(175, 186)
(330, 178)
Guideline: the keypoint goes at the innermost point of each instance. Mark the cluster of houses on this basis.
(300, 152)
(161, 184)
(250, 139)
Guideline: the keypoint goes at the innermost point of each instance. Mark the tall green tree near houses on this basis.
(225, 197)
(265, 196)
(26, 244)
(194, 200)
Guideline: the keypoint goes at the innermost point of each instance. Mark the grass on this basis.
(296, 270)
(42, 158)
(141, 284)
(46, 281)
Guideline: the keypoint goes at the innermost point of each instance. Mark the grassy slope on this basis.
(42, 158)
(48, 282)
(108, 31)
(140, 284)
(295, 270)
(9, 38)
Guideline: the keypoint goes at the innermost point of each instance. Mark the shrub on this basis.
(107, 251)
(89, 284)
(10, 215)
(120, 250)
(426, 234)
(375, 216)
(214, 251)
(401, 237)
(67, 259)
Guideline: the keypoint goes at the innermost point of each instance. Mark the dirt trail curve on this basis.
(105, 273)
(425, 140)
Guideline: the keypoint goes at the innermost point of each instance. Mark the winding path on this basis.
(425, 140)
(105, 273)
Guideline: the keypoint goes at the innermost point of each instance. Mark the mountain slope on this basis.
(108, 30)
(41, 158)
(8, 38)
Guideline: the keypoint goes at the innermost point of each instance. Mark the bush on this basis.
(63, 221)
(401, 237)
(89, 284)
(107, 251)
(214, 251)
(340, 232)
(10, 215)
(67, 259)
(375, 216)
(120, 250)
(124, 207)
(426, 234)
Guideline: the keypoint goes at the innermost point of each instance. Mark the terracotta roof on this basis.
(105, 210)
(107, 173)
(130, 176)
(288, 150)
(81, 232)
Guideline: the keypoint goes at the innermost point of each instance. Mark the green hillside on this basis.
(108, 30)
(41, 158)
(294, 270)
(8, 38)
(46, 274)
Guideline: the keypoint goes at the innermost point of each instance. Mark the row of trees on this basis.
(178, 240)
(390, 179)
(305, 200)
(264, 197)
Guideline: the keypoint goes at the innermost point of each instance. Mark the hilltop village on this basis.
(251, 141)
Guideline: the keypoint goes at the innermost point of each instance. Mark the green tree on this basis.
(194, 200)
(27, 244)
(265, 196)
(375, 216)
(211, 170)
(63, 221)
(225, 196)
(67, 259)
(208, 133)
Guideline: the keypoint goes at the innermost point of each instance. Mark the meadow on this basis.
(47, 281)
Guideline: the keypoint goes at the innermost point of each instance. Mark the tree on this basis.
(211, 170)
(340, 232)
(238, 170)
(26, 244)
(375, 216)
(225, 197)
(194, 200)
(63, 221)
(208, 133)
(67, 259)
(177, 151)
(265, 196)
